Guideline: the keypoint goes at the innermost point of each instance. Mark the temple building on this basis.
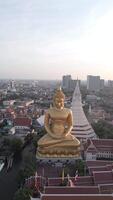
(98, 185)
(81, 127)
(98, 149)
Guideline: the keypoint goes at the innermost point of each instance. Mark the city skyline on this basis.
(47, 39)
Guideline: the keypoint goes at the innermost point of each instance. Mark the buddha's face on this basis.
(59, 103)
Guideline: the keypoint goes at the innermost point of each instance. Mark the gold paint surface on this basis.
(58, 122)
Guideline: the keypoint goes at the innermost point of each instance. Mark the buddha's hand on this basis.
(66, 134)
(58, 138)
(67, 131)
(54, 136)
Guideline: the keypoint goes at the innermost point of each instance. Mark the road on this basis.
(8, 182)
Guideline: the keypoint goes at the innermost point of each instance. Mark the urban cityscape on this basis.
(56, 100)
(23, 173)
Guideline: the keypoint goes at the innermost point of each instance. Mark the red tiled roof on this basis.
(106, 188)
(100, 145)
(103, 177)
(97, 169)
(84, 180)
(54, 181)
(102, 142)
(92, 148)
(109, 167)
(75, 196)
(81, 180)
(22, 121)
(92, 163)
(72, 190)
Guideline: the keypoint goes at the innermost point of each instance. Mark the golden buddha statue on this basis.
(58, 142)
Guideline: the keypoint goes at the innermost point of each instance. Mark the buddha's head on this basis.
(58, 99)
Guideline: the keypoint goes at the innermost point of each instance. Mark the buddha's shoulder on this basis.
(49, 110)
(67, 110)
(52, 110)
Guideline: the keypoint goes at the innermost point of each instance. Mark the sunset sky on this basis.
(45, 39)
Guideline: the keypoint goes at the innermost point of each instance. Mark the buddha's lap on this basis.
(48, 140)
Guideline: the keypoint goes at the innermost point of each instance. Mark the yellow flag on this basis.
(63, 174)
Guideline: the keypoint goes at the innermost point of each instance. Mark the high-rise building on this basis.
(66, 80)
(102, 84)
(93, 83)
(11, 86)
(110, 83)
(68, 83)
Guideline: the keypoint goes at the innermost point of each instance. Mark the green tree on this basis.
(6, 141)
(103, 129)
(40, 134)
(16, 145)
(29, 168)
(35, 139)
(23, 194)
(80, 167)
(29, 161)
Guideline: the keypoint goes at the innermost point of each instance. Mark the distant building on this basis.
(68, 83)
(72, 84)
(11, 86)
(102, 83)
(66, 80)
(22, 125)
(8, 103)
(110, 83)
(93, 83)
(92, 98)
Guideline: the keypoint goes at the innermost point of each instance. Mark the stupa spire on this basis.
(81, 127)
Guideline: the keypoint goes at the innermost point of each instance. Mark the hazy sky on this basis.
(44, 39)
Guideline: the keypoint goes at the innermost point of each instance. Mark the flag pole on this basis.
(62, 175)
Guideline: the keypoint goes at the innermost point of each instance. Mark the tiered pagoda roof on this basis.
(81, 127)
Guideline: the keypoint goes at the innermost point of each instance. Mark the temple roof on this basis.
(100, 145)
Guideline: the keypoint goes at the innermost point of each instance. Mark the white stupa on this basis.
(81, 127)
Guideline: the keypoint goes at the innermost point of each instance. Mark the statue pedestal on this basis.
(59, 152)
(52, 167)
(54, 160)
